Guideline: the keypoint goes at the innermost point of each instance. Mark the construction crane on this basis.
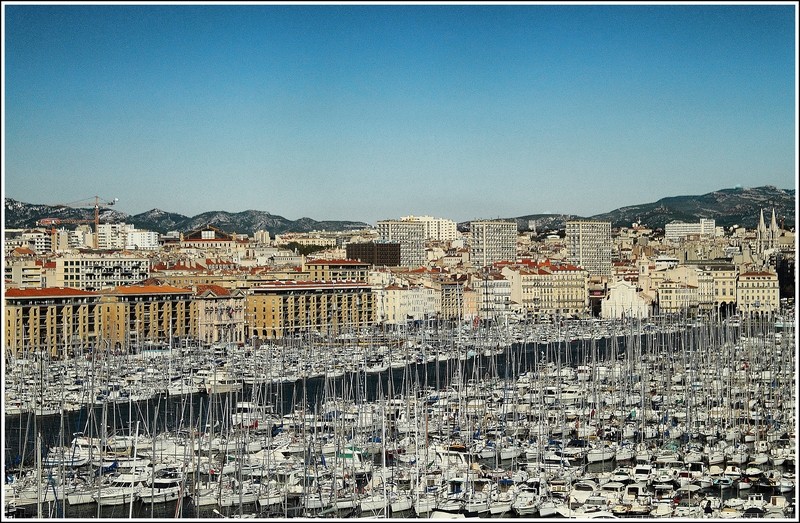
(93, 201)
(46, 222)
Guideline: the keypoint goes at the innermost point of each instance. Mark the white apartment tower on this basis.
(492, 241)
(411, 237)
(112, 235)
(118, 236)
(677, 230)
(589, 246)
(439, 229)
(141, 240)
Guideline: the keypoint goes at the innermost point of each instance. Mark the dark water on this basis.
(169, 413)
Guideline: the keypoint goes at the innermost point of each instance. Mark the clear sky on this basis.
(371, 112)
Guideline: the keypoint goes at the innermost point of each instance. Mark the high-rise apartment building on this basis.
(411, 237)
(439, 229)
(589, 246)
(112, 235)
(492, 241)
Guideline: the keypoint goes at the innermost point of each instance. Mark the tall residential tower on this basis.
(411, 237)
(589, 246)
(492, 241)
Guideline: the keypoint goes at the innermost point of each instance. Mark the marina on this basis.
(670, 417)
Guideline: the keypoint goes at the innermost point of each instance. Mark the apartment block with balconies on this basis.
(492, 242)
(589, 246)
(411, 237)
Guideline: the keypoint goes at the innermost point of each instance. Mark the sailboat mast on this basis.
(135, 442)
(38, 475)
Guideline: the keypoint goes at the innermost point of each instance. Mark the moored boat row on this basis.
(674, 421)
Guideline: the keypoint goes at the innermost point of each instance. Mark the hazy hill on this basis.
(24, 215)
(728, 207)
(739, 206)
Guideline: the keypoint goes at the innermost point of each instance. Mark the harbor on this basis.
(669, 417)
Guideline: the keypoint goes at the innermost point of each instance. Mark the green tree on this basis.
(305, 250)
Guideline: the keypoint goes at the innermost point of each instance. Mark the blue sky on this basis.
(345, 112)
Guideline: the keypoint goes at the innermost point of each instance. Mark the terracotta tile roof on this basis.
(48, 292)
(209, 261)
(216, 289)
(565, 267)
(149, 289)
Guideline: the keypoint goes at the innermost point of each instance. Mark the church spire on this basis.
(774, 231)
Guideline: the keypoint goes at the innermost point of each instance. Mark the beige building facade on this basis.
(492, 241)
(589, 246)
(281, 309)
(549, 290)
(95, 272)
(63, 321)
(337, 270)
(56, 321)
(148, 314)
(220, 315)
(677, 297)
(757, 293)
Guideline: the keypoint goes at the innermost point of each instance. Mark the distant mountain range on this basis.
(737, 206)
(25, 215)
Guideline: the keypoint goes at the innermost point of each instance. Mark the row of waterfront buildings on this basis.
(217, 287)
